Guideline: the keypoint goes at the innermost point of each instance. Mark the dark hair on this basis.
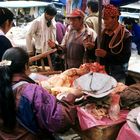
(50, 9)
(5, 14)
(18, 58)
(93, 5)
(59, 17)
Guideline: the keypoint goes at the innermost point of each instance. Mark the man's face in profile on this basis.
(48, 19)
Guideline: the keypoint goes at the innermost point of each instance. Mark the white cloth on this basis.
(40, 34)
(97, 84)
(1, 32)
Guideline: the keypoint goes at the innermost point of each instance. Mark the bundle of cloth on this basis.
(130, 96)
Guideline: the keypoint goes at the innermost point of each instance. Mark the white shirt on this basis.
(1, 32)
(40, 34)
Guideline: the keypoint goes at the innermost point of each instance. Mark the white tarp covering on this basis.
(135, 5)
(22, 4)
(130, 15)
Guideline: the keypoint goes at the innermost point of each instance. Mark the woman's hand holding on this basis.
(77, 93)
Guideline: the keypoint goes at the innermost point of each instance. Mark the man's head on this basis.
(110, 15)
(76, 18)
(92, 6)
(59, 17)
(50, 11)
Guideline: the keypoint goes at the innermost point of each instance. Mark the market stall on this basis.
(17, 34)
(93, 108)
(17, 5)
(95, 120)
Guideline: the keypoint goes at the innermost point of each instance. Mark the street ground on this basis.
(134, 62)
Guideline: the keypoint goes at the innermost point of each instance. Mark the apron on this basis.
(75, 51)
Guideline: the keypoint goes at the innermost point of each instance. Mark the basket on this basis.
(101, 132)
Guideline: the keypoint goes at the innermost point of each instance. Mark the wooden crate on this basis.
(41, 57)
(44, 70)
(101, 132)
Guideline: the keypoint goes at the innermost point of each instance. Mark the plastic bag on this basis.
(86, 120)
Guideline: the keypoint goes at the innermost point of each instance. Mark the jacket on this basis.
(39, 113)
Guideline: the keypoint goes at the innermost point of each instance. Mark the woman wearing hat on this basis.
(6, 22)
(78, 40)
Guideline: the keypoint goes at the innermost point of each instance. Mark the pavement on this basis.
(134, 62)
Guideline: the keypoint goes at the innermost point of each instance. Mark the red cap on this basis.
(76, 13)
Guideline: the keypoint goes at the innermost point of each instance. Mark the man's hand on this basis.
(100, 52)
(51, 44)
(31, 54)
(88, 45)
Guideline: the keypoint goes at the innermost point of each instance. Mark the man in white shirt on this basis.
(41, 31)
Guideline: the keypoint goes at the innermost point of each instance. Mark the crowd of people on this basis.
(133, 26)
(115, 50)
(77, 41)
(27, 110)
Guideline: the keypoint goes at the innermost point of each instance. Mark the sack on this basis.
(130, 97)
